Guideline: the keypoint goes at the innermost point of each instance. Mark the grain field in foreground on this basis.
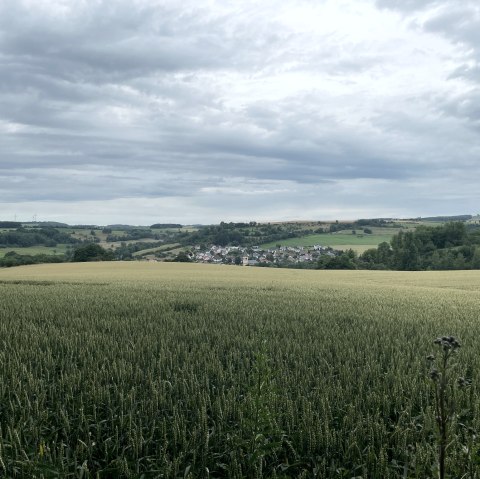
(135, 370)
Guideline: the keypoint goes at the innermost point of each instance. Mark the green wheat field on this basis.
(160, 370)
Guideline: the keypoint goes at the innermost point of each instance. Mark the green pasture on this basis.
(159, 249)
(336, 240)
(33, 250)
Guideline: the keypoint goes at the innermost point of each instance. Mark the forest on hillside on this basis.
(447, 247)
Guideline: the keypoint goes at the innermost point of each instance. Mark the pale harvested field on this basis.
(139, 272)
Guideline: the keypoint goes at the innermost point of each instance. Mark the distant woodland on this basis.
(446, 247)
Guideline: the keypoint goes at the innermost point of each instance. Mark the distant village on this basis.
(256, 256)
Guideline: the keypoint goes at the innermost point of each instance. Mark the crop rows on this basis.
(191, 371)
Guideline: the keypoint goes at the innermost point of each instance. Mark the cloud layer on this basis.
(151, 111)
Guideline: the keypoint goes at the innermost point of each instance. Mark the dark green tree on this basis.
(91, 252)
(182, 257)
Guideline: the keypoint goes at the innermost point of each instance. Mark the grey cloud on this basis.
(121, 41)
(458, 21)
(465, 106)
(407, 5)
(468, 72)
(129, 100)
(461, 24)
(314, 151)
(98, 183)
(102, 39)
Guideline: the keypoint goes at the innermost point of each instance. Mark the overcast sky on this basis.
(145, 111)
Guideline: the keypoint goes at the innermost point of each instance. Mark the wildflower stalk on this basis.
(444, 400)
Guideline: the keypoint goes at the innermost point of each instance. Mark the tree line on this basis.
(23, 237)
(448, 247)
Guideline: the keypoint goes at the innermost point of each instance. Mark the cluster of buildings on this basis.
(255, 255)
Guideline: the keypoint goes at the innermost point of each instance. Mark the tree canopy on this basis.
(92, 252)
